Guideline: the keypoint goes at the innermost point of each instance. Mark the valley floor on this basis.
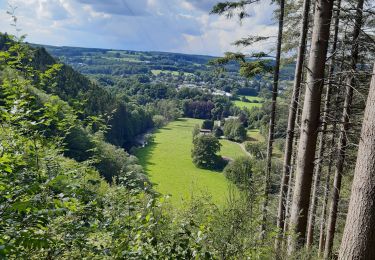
(169, 166)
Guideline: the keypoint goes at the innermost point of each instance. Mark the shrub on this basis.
(240, 171)
(257, 149)
(196, 130)
(159, 121)
(217, 131)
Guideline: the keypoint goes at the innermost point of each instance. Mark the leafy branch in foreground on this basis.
(250, 40)
(228, 8)
(248, 69)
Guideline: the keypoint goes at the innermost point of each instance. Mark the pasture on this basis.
(250, 104)
(169, 166)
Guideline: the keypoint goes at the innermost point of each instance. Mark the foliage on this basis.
(204, 152)
(240, 172)
(159, 121)
(53, 207)
(256, 149)
(208, 124)
(248, 69)
(198, 109)
(196, 130)
(234, 130)
(217, 131)
(169, 109)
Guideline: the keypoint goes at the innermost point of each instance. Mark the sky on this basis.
(183, 26)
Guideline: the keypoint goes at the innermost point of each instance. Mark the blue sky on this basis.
(160, 25)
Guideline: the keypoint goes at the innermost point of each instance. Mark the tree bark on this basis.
(326, 194)
(310, 123)
(318, 168)
(327, 107)
(272, 119)
(291, 181)
(342, 143)
(291, 124)
(359, 234)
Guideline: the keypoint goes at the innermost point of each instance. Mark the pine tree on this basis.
(284, 187)
(342, 142)
(359, 234)
(310, 122)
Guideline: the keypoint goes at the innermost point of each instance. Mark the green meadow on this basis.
(169, 166)
(250, 104)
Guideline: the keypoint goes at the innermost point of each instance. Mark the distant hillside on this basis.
(109, 67)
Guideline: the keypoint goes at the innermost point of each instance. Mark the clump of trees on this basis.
(240, 172)
(234, 130)
(205, 152)
(256, 149)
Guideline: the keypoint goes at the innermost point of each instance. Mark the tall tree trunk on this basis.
(342, 143)
(272, 118)
(327, 107)
(318, 168)
(326, 193)
(291, 123)
(359, 234)
(291, 181)
(310, 122)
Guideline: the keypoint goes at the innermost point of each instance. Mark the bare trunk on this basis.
(310, 122)
(291, 123)
(328, 180)
(342, 143)
(326, 194)
(318, 168)
(359, 234)
(272, 118)
(290, 183)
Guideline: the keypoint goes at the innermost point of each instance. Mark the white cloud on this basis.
(165, 25)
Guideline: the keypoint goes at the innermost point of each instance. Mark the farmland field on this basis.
(169, 166)
(249, 105)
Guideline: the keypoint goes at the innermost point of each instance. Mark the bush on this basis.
(114, 164)
(196, 130)
(240, 172)
(217, 131)
(257, 149)
(159, 121)
(204, 152)
(208, 124)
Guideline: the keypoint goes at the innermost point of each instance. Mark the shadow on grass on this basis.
(251, 139)
(144, 155)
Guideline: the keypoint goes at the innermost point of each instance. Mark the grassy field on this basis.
(254, 135)
(250, 104)
(230, 149)
(169, 165)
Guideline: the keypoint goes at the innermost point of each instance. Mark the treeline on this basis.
(112, 66)
(91, 99)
